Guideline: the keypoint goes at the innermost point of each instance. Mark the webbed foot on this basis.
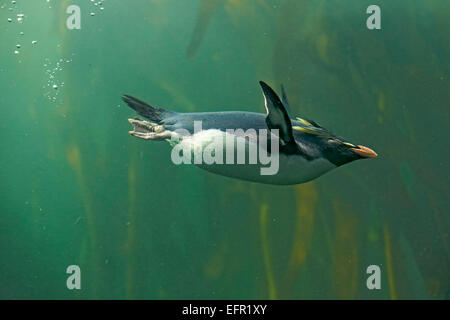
(148, 130)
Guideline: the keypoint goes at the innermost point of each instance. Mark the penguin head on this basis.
(340, 152)
(315, 140)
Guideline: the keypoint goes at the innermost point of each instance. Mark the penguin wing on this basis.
(278, 118)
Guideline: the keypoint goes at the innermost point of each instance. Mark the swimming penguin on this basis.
(294, 150)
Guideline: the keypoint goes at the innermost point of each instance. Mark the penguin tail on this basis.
(153, 114)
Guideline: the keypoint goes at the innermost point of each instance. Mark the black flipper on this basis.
(154, 114)
(278, 118)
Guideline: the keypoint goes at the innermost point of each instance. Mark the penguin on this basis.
(295, 151)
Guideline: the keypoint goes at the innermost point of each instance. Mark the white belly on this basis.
(291, 169)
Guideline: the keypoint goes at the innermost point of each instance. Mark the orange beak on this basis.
(365, 152)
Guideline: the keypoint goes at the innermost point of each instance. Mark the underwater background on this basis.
(76, 189)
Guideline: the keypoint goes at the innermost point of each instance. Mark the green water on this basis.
(76, 189)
